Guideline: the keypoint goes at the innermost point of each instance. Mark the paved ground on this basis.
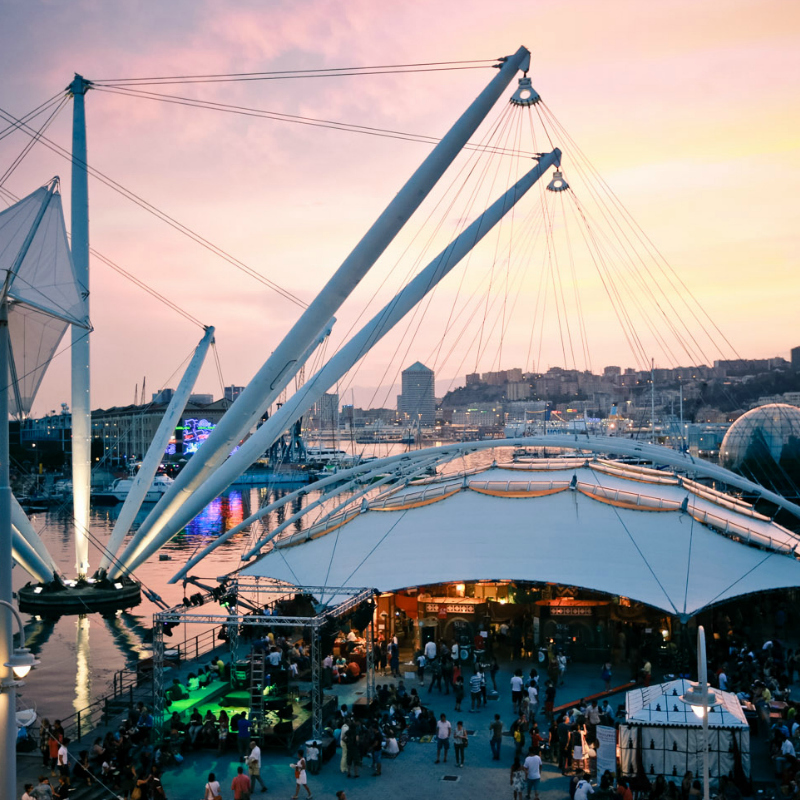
(413, 774)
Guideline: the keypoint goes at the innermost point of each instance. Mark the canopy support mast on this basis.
(141, 484)
(81, 399)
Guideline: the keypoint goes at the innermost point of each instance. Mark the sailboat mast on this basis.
(81, 399)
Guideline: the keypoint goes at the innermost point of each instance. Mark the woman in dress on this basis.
(300, 775)
(517, 779)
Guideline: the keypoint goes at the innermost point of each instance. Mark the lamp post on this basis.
(701, 699)
(19, 662)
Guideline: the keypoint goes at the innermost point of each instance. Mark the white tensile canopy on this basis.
(38, 278)
(668, 735)
(643, 534)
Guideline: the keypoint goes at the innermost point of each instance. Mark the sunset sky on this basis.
(689, 110)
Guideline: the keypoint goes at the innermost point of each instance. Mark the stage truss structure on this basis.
(249, 592)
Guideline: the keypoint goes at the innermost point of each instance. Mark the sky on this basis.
(688, 110)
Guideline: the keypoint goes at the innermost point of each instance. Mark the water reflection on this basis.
(127, 639)
(83, 675)
(38, 633)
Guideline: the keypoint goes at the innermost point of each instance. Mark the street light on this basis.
(21, 660)
(701, 699)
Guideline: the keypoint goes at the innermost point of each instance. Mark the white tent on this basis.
(38, 278)
(638, 533)
(669, 737)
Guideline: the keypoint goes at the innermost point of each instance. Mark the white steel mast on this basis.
(155, 452)
(81, 399)
(277, 370)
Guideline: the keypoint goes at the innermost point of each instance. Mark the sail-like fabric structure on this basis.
(38, 279)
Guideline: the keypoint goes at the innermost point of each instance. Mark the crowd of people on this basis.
(538, 731)
(124, 761)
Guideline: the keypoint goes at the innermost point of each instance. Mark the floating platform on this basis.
(82, 597)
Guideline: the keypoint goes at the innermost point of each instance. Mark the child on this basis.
(421, 669)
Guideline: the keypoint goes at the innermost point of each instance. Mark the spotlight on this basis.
(167, 627)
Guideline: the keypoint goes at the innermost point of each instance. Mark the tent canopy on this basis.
(39, 282)
(661, 705)
(639, 533)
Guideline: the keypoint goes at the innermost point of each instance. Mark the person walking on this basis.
(394, 658)
(254, 766)
(496, 729)
(243, 727)
(343, 744)
(44, 741)
(240, 785)
(533, 773)
(447, 671)
(605, 675)
(460, 742)
(458, 690)
(443, 731)
(549, 700)
(516, 691)
(561, 660)
(475, 691)
(300, 775)
(354, 737)
(212, 790)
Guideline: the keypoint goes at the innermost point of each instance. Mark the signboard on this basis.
(606, 749)
(570, 611)
(450, 608)
(442, 613)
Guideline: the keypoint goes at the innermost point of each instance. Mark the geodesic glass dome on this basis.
(774, 428)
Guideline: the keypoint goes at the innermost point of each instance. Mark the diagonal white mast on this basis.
(81, 400)
(297, 405)
(155, 452)
(273, 373)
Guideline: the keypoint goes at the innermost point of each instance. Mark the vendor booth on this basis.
(663, 736)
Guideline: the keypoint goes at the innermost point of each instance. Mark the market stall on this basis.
(663, 736)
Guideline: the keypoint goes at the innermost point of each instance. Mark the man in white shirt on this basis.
(722, 680)
(254, 766)
(442, 738)
(516, 690)
(533, 700)
(787, 751)
(430, 650)
(63, 759)
(583, 790)
(533, 772)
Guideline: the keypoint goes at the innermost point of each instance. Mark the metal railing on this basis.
(127, 685)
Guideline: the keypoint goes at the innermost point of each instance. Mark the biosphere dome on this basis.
(774, 428)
